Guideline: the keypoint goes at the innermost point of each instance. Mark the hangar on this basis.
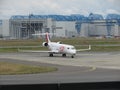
(22, 27)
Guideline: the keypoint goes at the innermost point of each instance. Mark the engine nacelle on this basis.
(45, 44)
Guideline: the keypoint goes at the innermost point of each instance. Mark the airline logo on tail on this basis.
(47, 37)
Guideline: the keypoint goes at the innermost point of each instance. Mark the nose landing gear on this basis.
(73, 56)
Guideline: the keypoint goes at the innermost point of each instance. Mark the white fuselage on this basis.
(61, 48)
(57, 48)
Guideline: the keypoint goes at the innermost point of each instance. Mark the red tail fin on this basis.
(47, 37)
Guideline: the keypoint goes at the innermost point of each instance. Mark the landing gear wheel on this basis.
(64, 55)
(72, 56)
(51, 55)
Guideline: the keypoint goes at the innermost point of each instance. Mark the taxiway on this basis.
(85, 67)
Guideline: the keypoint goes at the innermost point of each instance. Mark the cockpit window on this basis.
(72, 47)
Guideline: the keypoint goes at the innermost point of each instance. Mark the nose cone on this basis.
(73, 51)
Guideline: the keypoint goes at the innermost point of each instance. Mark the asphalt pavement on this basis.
(85, 67)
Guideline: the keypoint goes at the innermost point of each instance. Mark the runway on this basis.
(85, 67)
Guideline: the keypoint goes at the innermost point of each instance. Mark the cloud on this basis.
(111, 11)
(114, 3)
(84, 7)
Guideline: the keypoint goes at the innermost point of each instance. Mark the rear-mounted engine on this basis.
(45, 44)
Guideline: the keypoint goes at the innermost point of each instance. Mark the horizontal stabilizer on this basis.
(37, 34)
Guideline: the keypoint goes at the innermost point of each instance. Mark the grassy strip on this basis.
(72, 41)
(105, 48)
(94, 48)
(16, 49)
(20, 42)
(14, 69)
(86, 41)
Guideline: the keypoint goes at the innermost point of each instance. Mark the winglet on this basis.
(89, 47)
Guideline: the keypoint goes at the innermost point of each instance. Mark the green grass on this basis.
(106, 48)
(8, 50)
(92, 41)
(21, 42)
(14, 69)
(73, 41)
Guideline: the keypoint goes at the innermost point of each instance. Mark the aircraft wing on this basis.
(37, 51)
(89, 48)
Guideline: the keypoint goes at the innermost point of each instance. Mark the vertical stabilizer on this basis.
(47, 37)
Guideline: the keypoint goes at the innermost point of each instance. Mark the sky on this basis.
(61, 7)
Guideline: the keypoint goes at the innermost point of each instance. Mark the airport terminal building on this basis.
(22, 27)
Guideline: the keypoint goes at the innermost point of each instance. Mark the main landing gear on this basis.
(64, 55)
(50, 55)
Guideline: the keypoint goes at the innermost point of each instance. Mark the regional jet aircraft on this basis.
(58, 48)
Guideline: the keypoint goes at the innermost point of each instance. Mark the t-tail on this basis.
(47, 37)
